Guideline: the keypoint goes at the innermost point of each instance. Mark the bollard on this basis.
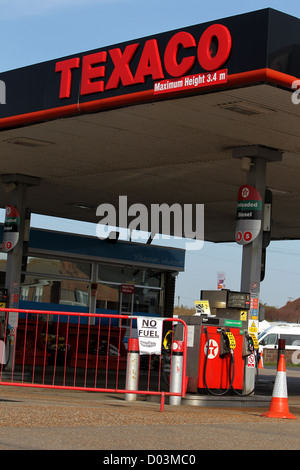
(281, 349)
(132, 370)
(162, 401)
(176, 372)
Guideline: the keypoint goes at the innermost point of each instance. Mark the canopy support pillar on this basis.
(254, 159)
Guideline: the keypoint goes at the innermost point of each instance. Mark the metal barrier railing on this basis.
(79, 351)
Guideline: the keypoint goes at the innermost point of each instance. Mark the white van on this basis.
(290, 332)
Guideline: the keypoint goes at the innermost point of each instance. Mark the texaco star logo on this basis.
(245, 192)
(212, 349)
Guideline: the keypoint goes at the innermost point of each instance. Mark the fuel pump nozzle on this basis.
(224, 343)
(248, 347)
(227, 342)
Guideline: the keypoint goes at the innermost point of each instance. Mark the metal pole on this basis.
(251, 264)
(16, 185)
(176, 372)
(132, 371)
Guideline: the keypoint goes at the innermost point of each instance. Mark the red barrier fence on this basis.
(89, 352)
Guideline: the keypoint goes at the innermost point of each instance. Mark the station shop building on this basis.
(74, 273)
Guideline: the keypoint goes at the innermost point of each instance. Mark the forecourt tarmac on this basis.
(42, 419)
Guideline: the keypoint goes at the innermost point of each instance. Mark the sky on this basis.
(33, 31)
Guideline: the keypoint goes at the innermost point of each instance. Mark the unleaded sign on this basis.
(249, 214)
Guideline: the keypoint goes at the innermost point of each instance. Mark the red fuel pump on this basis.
(222, 353)
(218, 345)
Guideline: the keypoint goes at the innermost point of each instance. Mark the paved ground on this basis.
(43, 419)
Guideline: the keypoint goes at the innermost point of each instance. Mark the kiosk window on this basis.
(108, 296)
(58, 267)
(55, 291)
(146, 300)
(129, 274)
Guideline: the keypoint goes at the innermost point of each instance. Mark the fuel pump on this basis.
(227, 345)
(227, 372)
(219, 344)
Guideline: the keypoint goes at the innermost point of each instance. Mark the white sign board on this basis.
(249, 215)
(2, 352)
(150, 335)
(251, 361)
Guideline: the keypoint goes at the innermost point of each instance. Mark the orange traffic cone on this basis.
(279, 407)
(260, 362)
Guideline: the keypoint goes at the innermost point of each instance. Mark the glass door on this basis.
(126, 304)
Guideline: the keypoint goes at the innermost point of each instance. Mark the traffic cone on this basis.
(279, 407)
(260, 362)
